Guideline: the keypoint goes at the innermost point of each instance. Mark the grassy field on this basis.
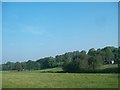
(45, 79)
(53, 70)
(36, 79)
(109, 66)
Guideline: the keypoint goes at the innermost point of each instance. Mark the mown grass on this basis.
(52, 70)
(109, 66)
(36, 79)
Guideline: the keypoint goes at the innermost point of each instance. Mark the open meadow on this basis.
(37, 79)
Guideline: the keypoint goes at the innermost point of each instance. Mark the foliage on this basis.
(18, 66)
(71, 61)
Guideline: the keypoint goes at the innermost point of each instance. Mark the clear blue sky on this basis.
(36, 30)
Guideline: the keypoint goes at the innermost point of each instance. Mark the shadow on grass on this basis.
(107, 70)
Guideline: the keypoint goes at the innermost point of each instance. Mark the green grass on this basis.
(109, 66)
(58, 80)
(53, 70)
(43, 79)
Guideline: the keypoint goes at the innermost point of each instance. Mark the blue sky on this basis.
(36, 30)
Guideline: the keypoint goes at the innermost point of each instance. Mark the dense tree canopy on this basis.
(18, 66)
(71, 61)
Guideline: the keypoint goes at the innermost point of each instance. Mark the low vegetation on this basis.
(35, 79)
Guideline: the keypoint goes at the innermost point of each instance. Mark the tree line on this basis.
(76, 61)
